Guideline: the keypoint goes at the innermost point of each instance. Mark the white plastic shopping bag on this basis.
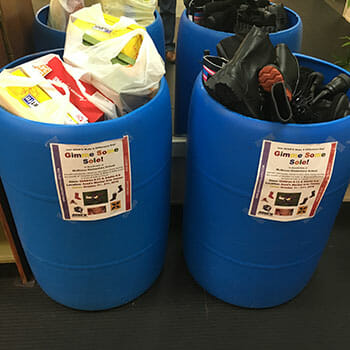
(53, 110)
(60, 10)
(142, 11)
(96, 98)
(346, 11)
(141, 79)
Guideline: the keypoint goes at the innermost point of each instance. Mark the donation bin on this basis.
(193, 39)
(241, 257)
(46, 38)
(96, 264)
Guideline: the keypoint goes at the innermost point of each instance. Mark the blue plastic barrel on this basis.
(238, 258)
(97, 264)
(193, 39)
(47, 38)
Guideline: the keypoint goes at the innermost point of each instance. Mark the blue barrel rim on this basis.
(46, 8)
(162, 87)
(296, 25)
(266, 122)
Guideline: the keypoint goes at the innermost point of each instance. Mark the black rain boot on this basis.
(222, 21)
(260, 17)
(281, 17)
(277, 94)
(217, 6)
(288, 65)
(310, 83)
(211, 65)
(327, 110)
(280, 102)
(340, 83)
(236, 85)
(270, 75)
(227, 47)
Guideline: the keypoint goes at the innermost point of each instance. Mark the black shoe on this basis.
(288, 65)
(195, 9)
(227, 47)
(281, 17)
(220, 15)
(269, 75)
(314, 102)
(219, 6)
(277, 95)
(280, 103)
(340, 84)
(310, 83)
(236, 85)
(222, 21)
(327, 110)
(247, 16)
(211, 65)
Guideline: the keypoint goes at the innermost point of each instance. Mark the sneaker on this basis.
(270, 75)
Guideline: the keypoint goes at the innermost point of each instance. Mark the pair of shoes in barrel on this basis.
(237, 16)
(252, 77)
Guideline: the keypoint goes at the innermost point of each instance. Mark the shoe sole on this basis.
(270, 75)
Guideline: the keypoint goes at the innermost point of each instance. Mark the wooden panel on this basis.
(17, 20)
(3, 53)
(6, 255)
(347, 195)
(10, 231)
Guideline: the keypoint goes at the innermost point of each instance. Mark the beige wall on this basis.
(37, 4)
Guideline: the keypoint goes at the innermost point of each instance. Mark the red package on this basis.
(59, 73)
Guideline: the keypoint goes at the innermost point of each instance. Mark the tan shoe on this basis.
(170, 56)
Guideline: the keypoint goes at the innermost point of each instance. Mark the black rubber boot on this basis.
(281, 109)
(327, 110)
(277, 94)
(227, 47)
(247, 16)
(310, 83)
(281, 17)
(218, 6)
(222, 21)
(314, 102)
(288, 65)
(236, 85)
(211, 65)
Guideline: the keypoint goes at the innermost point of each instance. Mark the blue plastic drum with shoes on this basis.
(264, 185)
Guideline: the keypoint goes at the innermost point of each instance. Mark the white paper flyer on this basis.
(93, 181)
(291, 180)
